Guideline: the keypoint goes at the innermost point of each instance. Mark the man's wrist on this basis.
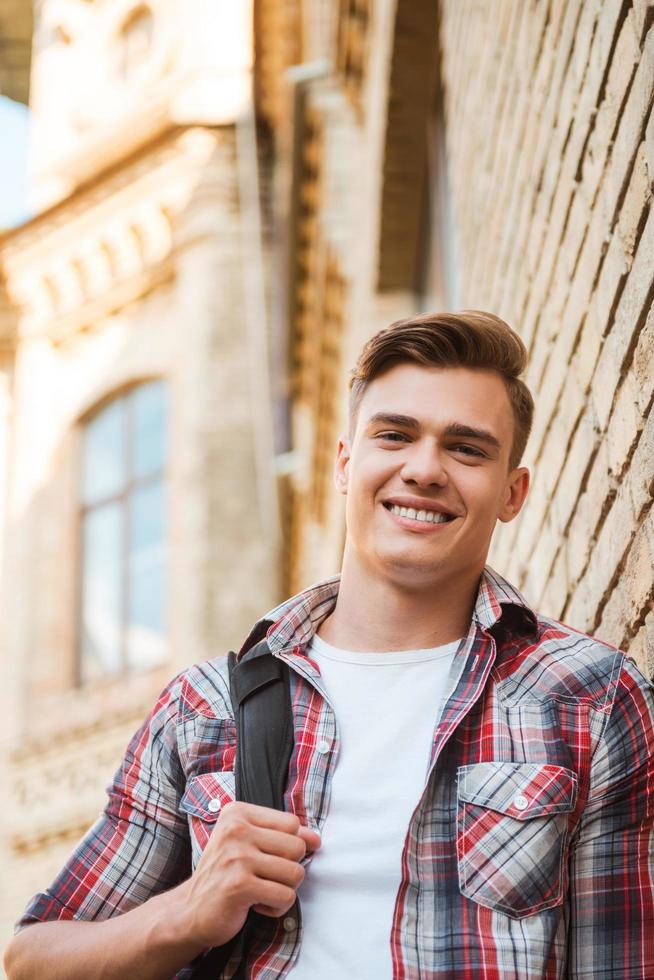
(171, 927)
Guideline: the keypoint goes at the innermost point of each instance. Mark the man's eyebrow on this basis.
(468, 432)
(453, 429)
(391, 418)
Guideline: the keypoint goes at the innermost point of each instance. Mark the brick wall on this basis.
(550, 141)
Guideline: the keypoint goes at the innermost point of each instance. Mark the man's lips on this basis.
(418, 503)
(419, 519)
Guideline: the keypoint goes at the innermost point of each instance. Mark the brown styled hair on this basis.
(472, 339)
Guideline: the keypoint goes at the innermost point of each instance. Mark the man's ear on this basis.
(341, 465)
(514, 494)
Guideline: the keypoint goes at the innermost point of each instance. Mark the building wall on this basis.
(140, 264)
(550, 143)
(545, 113)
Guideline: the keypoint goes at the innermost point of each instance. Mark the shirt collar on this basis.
(294, 621)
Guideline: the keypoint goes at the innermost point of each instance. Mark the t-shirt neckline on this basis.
(377, 658)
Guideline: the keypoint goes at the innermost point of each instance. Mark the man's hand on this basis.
(252, 860)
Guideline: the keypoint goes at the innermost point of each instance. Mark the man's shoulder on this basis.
(558, 661)
(200, 689)
(204, 688)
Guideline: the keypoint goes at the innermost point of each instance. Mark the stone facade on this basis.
(406, 157)
(537, 122)
(138, 265)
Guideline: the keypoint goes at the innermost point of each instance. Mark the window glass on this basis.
(146, 644)
(102, 534)
(149, 427)
(104, 469)
(123, 529)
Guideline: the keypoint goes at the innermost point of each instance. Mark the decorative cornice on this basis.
(107, 244)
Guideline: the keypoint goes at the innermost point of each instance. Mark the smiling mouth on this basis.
(423, 516)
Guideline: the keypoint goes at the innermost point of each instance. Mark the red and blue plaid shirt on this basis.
(528, 855)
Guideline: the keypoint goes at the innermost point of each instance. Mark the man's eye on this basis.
(470, 451)
(392, 436)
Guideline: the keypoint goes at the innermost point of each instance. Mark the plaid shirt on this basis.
(528, 855)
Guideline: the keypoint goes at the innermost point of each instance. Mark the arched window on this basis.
(123, 534)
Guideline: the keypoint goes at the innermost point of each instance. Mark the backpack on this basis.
(259, 686)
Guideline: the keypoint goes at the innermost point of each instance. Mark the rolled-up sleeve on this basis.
(611, 871)
(139, 846)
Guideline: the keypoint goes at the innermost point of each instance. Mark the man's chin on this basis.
(409, 573)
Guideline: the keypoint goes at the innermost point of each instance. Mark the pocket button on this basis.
(520, 802)
(213, 805)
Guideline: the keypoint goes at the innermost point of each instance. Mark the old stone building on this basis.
(231, 200)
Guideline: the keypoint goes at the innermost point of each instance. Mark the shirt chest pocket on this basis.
(203, 801)
(512, 834)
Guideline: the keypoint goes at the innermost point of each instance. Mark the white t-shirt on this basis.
(386, 707)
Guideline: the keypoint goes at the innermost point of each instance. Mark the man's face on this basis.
(407, 464)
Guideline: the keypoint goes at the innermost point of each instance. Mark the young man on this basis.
(470, 792)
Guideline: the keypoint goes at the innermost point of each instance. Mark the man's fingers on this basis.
(310, 837)
(290, 846)
(263, 816)
(284, 872)
(268, 819)
(271, 895)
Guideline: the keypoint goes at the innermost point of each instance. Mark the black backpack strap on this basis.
(261, 701)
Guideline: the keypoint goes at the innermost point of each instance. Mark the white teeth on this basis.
(429, 516)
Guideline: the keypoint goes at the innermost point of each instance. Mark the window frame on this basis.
(131, 484)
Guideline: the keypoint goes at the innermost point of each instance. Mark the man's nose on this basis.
(425, 466)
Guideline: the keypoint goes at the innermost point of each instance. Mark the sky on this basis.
(14, 127)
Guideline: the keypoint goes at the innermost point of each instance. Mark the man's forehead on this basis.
(472, 396)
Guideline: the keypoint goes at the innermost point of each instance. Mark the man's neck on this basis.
(374, 613)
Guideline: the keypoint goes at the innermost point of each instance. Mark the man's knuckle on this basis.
(236, 830)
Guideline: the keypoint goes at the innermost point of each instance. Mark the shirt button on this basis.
(323, 746)
(290, 924)
(213, 805)
(520, 802)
